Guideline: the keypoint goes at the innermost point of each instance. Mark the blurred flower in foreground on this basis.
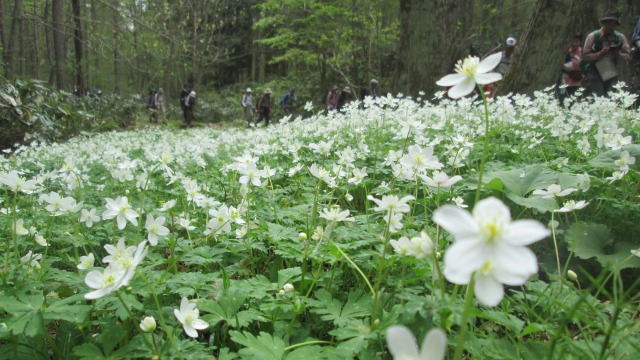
(402, 345)
(148, 324)
(189, 317)
(469, 72)
(490, 245)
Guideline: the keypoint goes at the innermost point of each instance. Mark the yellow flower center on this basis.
(487, 267)
(468, 67)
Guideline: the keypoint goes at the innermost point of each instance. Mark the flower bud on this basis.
(302, 236)
(572, 275)
(281, 292)
(348, 197)
(148, 324)
(288, 288)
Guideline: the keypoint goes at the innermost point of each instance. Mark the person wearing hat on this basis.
(602, 52)
(346, 96)
(264, 107)
(247, 105)
(372, 90)
(507, 55)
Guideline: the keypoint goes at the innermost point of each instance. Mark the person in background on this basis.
(601, 55)
(372, 90)
(571, 71)
(152, 104)
(507, 55)
(264, 107)
(189, 107)
(287, 101)
(332, 98)
(161, 105)
(247, 105)
(346, 96)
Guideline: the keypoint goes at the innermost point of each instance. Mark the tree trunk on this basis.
(431, 39)
(13, 39)
(58, 42)
(3, 40)
(537, 61)
(116, 47)
(77, 42)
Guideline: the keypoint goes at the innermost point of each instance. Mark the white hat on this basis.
(511, 41)
(248, 90)
(374, 81)
(192, 93)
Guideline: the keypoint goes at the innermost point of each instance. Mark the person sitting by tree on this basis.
(602, 52)
(346, 96)
(571, 71)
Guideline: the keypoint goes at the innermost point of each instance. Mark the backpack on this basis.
(597, 45)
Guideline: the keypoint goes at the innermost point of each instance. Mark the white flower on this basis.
(459, 201)
(288, 287)
(121, 210)
(185, 223)
(188, 316)
(572, 205)
(86, 262)
(155, 229)
(105, 281)
(17, 184)
(126, 258)
(490, 245)
(440, 179)
(250, 174)
(167, 205)
(419, 159)
(148, 324)
(32, 259)
(402, 246)
(392, 203)
(89, 217)
(584, 182)
(469, 72)
(625, 160)
(40, 239)
(19, 228)
(335, 214)
(220, 221)
(553, 191)
(358, 176)
(422, 245)
(402, 345)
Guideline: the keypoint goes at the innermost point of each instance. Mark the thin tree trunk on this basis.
(77, 42)
(58, 42)
(116, 47)
(13, 39)
(3, 40)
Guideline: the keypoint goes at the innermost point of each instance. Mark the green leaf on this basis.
(607, 159)
(264, 346)
(88, 351)
(534, 202)
(27, 316)
(278, 233)
(521, 181)
(589, 240)
(358, 305)
(285, 275)
(511, 322)
(228, 308)
(67, 310)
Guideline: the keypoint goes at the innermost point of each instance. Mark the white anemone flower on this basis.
(121, 210)
(104, 282)
(490, 245)
(189, 317)
(440, 179)
(572, 205)
(88, 217)
(335, 214)
(86, 262)
(155, 228)
(402, 344)
(469, 72)
(552, 191)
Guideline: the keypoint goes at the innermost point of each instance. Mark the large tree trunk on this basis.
(116, 47)
(3, 40)
(13, 39)
(77, 42)
(58, 42)
(431, 40)
(537, 61)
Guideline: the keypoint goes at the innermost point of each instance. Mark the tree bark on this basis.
(58, 42)
(3, 40)
(77, 42)
(537, 61)
(431, 39)
(116, 47)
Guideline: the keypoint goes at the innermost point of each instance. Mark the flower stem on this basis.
(468, 304)
(485, 147)
(146, 341)
(555, 244)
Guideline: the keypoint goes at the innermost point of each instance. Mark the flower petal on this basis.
(456, 221)
(461, 89)
(434, 345)
(450, 80)
(488, 78)
(401, 343)
(462, 259)
(488, 290)
(524, 232)
(489, 63)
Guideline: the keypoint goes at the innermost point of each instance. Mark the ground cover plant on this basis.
(337, 236)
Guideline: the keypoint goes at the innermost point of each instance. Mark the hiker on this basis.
(263, 107)
(247, 105)
(189, 103)
(372, 90)
(287, 101)
(507, 54)
(161, 105)
(152, 104)
(331, 99)
(346, 96)
(571, 71)
(602, 52)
